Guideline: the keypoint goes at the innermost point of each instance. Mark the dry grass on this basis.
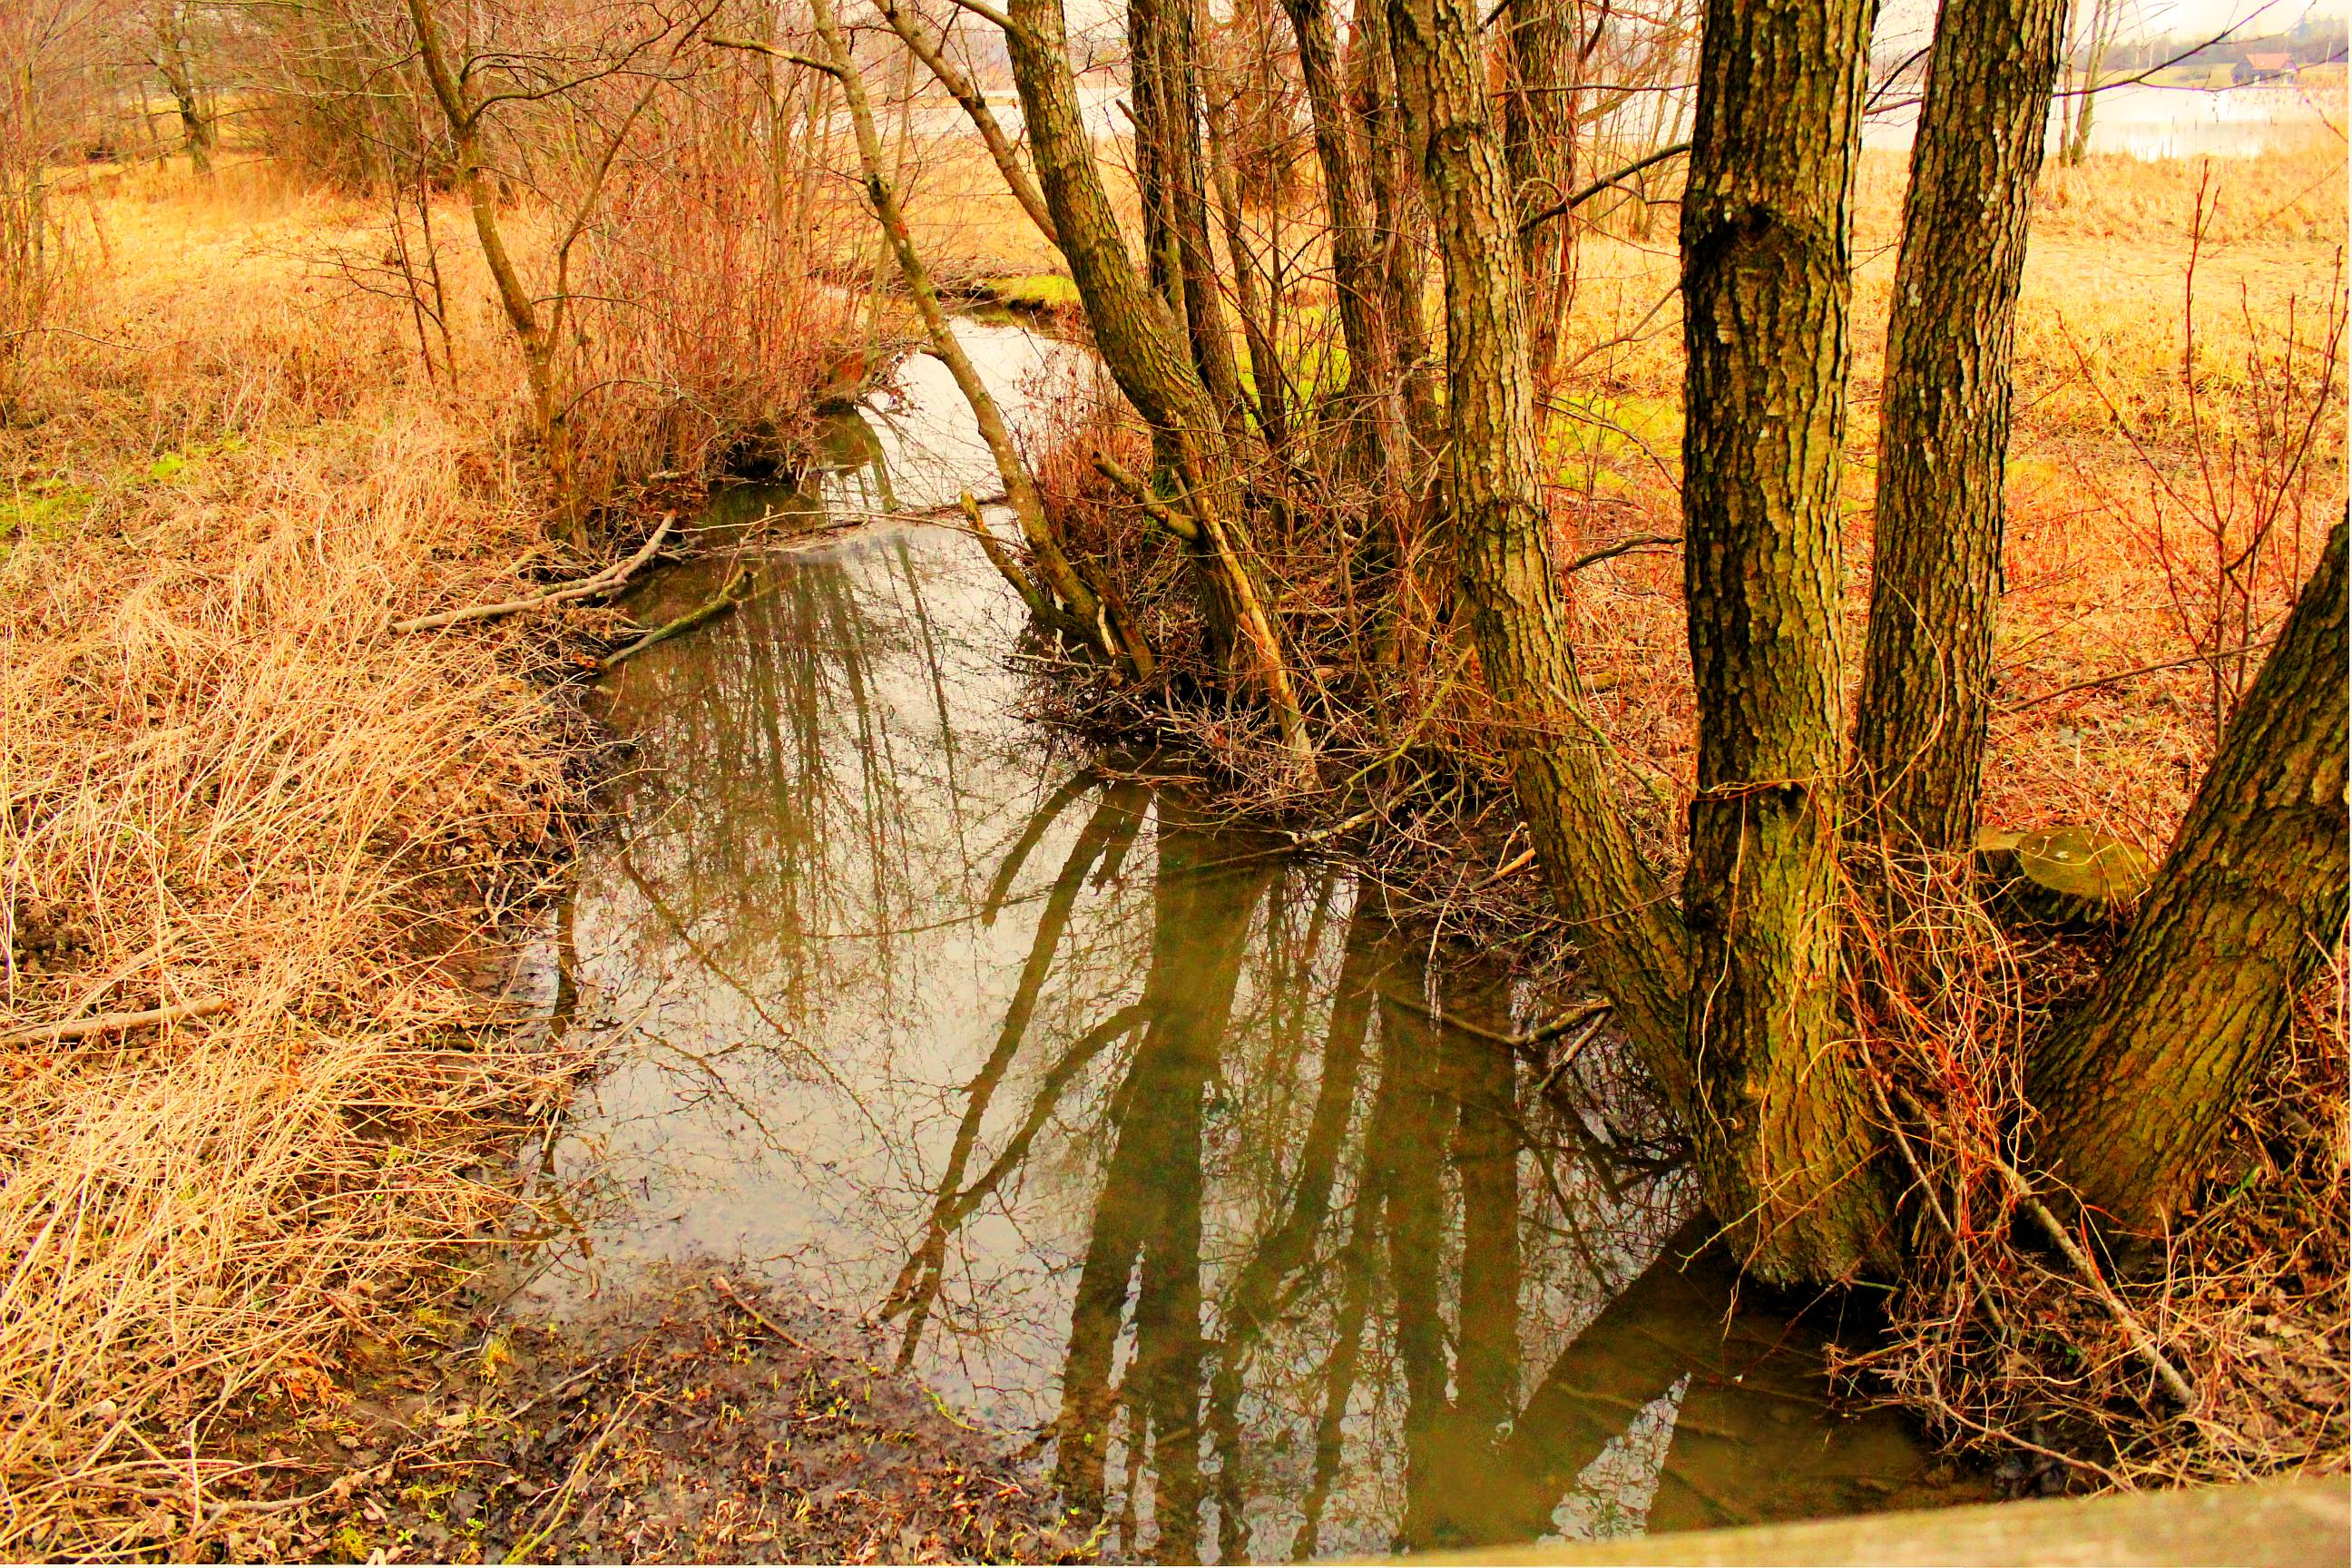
(2004, 1349)
(223, 779)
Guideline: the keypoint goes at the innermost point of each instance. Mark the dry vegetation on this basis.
(227, 785)
(231, 464)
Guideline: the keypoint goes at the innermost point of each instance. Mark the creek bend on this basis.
(1135, 1133)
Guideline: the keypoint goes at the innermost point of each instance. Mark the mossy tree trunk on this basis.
(1785, 1144)
(2248, 906)
(1927, 678)
(1622, 921)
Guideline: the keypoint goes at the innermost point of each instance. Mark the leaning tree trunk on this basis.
(1784, 1142)
(1926, 677)
(2250, 904)
(1145, 356)
(1058, 594)
(1624, 926)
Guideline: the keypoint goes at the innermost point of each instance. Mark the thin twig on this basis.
(2131, 674)
(719, 1283)
(1610, 552)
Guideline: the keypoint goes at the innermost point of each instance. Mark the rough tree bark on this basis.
(1372, 400)
(1623, 924)
(1387, 167)
(1142, 350)
(1785, 1144)
(2250, 903)
(1927, 679)
(1165, 90)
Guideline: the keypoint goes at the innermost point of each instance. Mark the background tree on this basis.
(1944, 421)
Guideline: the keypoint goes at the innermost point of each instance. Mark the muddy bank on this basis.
(698, 1418)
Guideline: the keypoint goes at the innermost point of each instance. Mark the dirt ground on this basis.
(696, 1420)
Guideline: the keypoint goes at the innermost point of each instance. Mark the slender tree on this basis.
(1145, 353)
(1623, 924)
(2248, 906)
(1784, 1142)
(1057, 590)
(1943, 428)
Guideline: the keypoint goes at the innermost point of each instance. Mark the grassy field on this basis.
(231, 788)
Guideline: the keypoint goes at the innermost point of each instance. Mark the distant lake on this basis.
(2174, 122)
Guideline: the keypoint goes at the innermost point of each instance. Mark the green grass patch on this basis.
(1033, 292)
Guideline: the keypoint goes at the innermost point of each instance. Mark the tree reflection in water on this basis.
(1139, 1135)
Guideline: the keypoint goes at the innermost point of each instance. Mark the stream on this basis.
(1137, 1134)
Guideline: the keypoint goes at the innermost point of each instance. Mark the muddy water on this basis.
(1138, 1135)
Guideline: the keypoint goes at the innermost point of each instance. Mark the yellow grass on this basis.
(225, 779)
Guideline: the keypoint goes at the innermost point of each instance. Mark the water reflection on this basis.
(1140, 1136)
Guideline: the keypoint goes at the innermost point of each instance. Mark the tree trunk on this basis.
(537, 343)
(1141, 349)
(1784, 1142)
(2103, 19)
(1539, 143)
(178, 71)
(1372, 403)
(1389, 168)
(1057, 594)
(1944, 434)
(1624, 926)
(2249, 905)
(1164, 86)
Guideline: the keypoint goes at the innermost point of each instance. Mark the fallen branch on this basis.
(737, 590)
(1611, 552)
(2124, 674)
(1591, 1012)
(112, 1023)
(603, 582)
